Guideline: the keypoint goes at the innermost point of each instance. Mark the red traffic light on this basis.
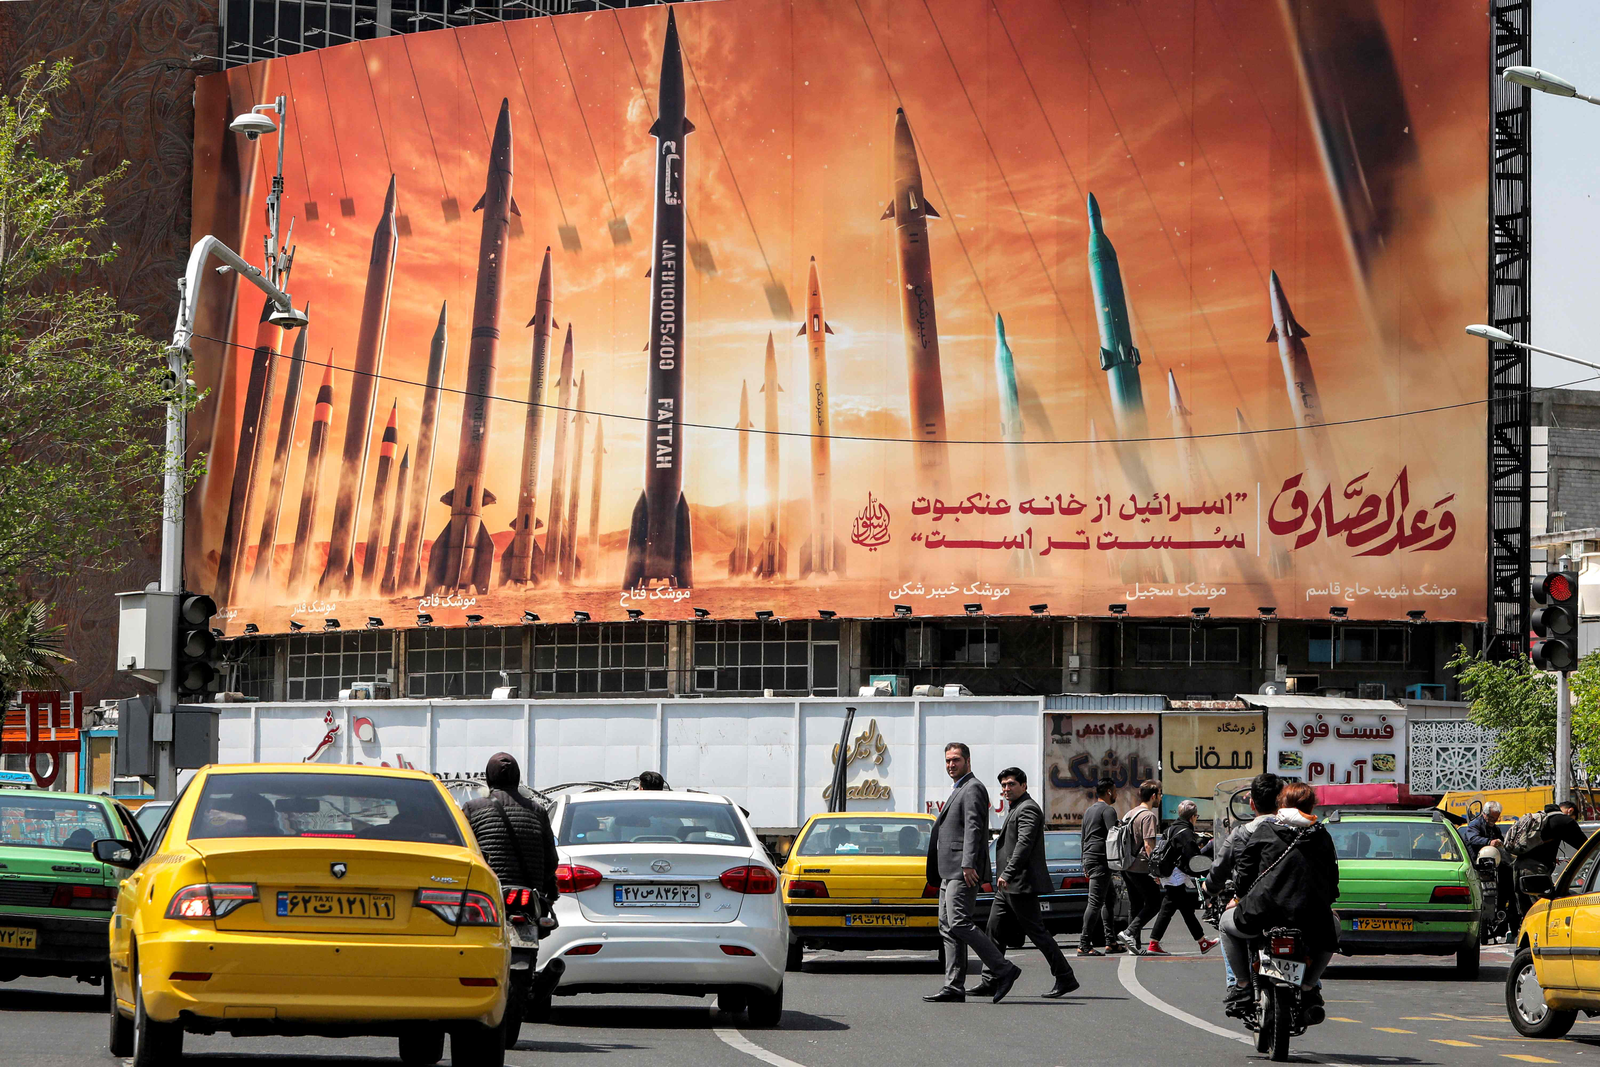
(1559, 588)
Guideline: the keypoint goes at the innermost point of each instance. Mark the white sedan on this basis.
(667, 892)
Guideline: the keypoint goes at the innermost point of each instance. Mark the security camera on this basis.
(253, 125)
(292, 319)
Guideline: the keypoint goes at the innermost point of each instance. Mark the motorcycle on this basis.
(529, 919)
(1279, 963)
(1495, 920)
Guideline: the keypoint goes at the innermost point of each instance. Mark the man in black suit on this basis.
(1021, 875)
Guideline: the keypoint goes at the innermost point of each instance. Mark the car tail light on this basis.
(575, 878)
(1283, 946)
(1074, 882)
(737, 950)
(191, 976)
(460, 908)
(930, 892)
(519, 898)
(583, 950)
(490, 982)
(987, 887)
(800, 889)
(84, 897)
(1445, 893)
(211, 901)
(754, 879)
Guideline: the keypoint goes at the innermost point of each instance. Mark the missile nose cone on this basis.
(999, 326)
(444, 313)
(1094, 215)
(389, 198)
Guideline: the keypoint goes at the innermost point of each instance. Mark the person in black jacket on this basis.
(1293, 859)
(512, 831)
(1175, 899)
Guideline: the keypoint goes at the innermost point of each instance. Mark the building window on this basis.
(749, 657)
(253, 663)
(600, 657)
(1188, 644)
(1358, 644)
(322, 664)
(462, 662)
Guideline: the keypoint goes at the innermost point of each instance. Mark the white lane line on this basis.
(734, 1039)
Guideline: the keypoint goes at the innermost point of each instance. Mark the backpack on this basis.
(1168, 851)
(1125, 848)
(1526, 833)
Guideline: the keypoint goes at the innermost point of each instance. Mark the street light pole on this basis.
(1489, 333)
(1545, 82)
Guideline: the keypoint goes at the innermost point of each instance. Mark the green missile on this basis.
(1118, 358)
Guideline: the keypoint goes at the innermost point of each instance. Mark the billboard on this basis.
(885, 304)
(1083, 747)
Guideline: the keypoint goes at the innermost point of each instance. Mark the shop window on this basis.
(600, 658)
(322, 664)
(749, 657)
(462, 662)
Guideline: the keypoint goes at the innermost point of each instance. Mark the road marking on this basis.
(734, 1039)
(1486, 1037)
(1393, 1030)
(1469, 1018)
(1525, 1058)
(1341, 1019)
(1453, 1044)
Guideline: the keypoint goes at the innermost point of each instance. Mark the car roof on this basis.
(316, 768)
(821, 816)
(52, 793)
(626, 795)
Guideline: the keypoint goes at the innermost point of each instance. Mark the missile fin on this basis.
(1297, 330)
(688, 127)
(488, 498)
(449, 497)
(515, 210)
(638, 534)
(654, 130)
(927, 209)
(826, 328)
(438, 553)
(479, 205)
(801, 332)
(483, 560)
(888, 212)
(1272, 334)
(683, 564)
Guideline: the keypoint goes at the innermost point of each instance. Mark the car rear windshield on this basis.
(1394, 840)
(46, 822)
(323, 805)
(1059, 846)
(689, 822)
(867, 835)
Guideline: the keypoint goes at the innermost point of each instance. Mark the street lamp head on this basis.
(1489, 333)
(1542, 80)
(253, 125)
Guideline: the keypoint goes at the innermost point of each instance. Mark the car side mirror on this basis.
(1537, 885)
(116, 853)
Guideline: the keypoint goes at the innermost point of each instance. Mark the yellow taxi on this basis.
(330, 900)
(1556, 971)
(858, 880)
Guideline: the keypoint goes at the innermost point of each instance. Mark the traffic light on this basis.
(196, 646)
(1556, 621)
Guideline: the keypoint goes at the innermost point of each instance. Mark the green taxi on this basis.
(55, 897)
(1406, 887)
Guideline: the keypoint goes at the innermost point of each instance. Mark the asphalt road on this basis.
(849, 1008)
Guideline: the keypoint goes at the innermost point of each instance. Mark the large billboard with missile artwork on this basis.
(852, 305)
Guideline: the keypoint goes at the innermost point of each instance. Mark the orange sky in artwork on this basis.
(1186, 120)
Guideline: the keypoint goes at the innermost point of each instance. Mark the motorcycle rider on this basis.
(1264, 802)
(513, 831)
(1293, 859)
(1483, 829)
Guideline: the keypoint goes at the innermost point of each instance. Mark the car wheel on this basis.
(795, 960)
(733, 1001)
(1525, 1002)
(421, 1048)
(765, 1009)
(478, 1046)
(1467, 962)
(120, 1039)
(155, 1044)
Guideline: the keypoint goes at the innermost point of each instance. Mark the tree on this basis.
(82, 395)
(30, 648)
(1519, 704)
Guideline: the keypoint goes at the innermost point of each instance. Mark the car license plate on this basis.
(336, 905)
(1291, 971)
(1044, 905)
(647, 895)
(1400, 925)
(873, 919)
(19, 937)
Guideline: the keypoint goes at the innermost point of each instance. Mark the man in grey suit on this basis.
(1021, 875)
(958, 862)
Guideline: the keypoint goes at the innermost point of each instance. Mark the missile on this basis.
(463, 553)
(1118, 358)
(594, 495)
(380, 497)
(311, 486)
(660, 540)
(558, 469)
(772, 560)
(339, 573)
(410, 575)
(739, 558)
(910, 210)
(569, 540)
(267, 543)
(519, 564)
(391, 561)
(257, 398)
(1304, 400)
(821, 552)
(1005, 370)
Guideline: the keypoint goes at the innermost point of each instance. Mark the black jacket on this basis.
(1559, 829)
(515, 837)
(1280, 886)
(1019, 854)
(1476, 835)
(1188, 843)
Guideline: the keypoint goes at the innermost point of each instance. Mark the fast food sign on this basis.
(1337, 747)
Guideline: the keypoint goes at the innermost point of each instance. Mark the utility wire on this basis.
(534, 115)
(333, 127)
(427, 125)
(1232, 434)
(582, 115)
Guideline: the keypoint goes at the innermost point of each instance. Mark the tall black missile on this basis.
(252, 420)
(391, 560)
(410, 576)
(521, 563)
(267, 543)
(821, 552)
(772, 558)
(311, 485)
(463, 554)
(569, 540)
(551, 563)
(380, 498)
(659, 536)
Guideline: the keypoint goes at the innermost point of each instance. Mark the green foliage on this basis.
(1519, 704)
(82, 394)
(30, 648)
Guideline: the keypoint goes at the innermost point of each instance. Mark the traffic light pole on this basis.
(1563, 738)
